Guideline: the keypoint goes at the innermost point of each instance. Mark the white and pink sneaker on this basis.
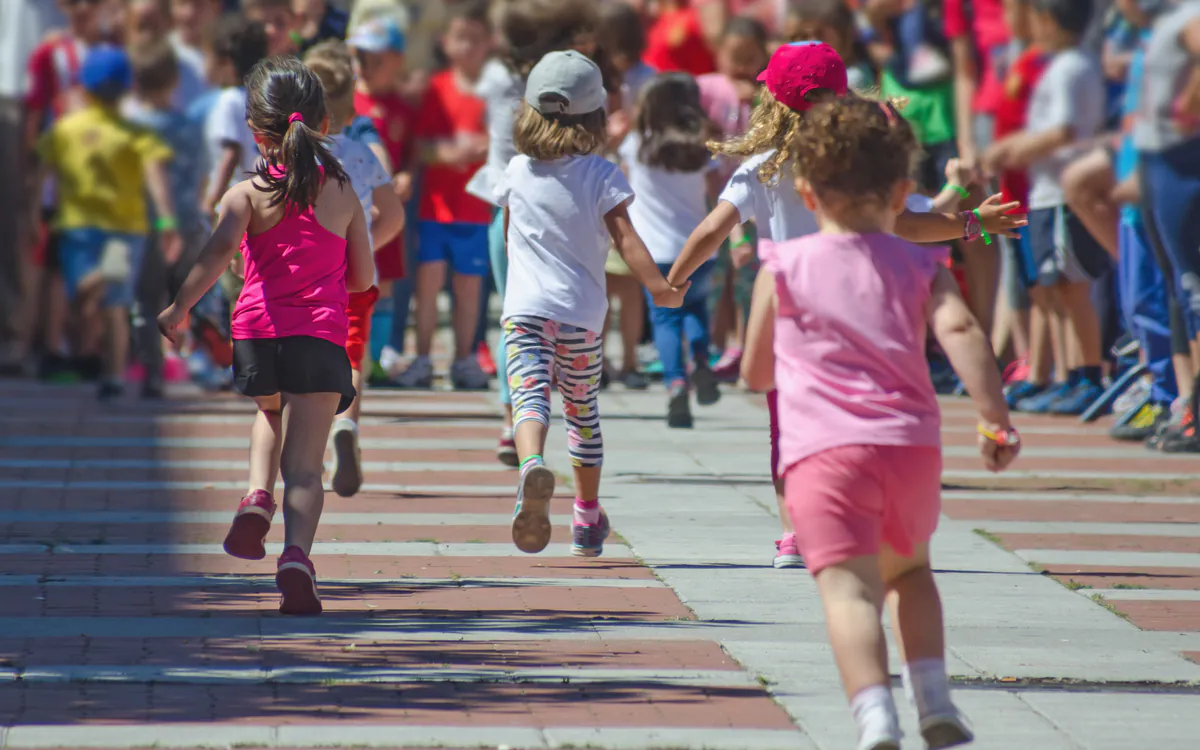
(247, 536)
(296, 579)
(787, 554)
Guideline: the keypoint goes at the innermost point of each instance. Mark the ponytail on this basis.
(284, 100)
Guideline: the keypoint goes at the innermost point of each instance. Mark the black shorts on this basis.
(1063, 249)
(292, 364)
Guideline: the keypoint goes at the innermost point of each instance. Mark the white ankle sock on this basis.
(875, 713)
(927, 688)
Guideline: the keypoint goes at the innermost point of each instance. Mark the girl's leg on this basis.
(530, 345)
(506, 451)
(695, 330)
(252, 521)
(787, 553)
(306, 421)
(579, 362)
(631, 319)
(666, 324)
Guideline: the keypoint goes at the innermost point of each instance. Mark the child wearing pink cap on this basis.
(798, 76)
(860, 427)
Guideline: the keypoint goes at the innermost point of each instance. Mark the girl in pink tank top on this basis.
(303, 236)
(859, 422)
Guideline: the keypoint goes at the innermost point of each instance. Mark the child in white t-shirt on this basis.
(674, 175)
(561, 201)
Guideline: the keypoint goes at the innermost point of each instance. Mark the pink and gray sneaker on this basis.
(728, 368)
(296, 579)
(247, 536)
(787, 554)
(587, 539)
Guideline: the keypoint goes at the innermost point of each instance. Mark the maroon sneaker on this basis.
(248, 534)
(296, 579)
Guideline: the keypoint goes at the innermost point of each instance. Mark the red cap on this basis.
(801, 67)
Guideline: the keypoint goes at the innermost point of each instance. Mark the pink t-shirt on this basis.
(295, 283)
(850, 344)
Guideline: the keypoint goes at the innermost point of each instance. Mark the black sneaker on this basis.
(605, 379)
(708, 392)
(110, 391)
(679, 408)
(634, 381)
(1180, 440)
(1143, 424)
(153, 391)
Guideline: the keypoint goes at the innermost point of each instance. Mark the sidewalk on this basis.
(123, 624)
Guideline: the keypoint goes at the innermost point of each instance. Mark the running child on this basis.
(861, 433)
(372, 183)
(303, 235)
(560, 200)
(673, 174)
(799, 75)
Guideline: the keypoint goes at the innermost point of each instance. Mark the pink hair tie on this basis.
(295, 117)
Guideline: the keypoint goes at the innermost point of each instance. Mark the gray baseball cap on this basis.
(565, 75)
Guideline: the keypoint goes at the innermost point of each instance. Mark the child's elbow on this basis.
(758, 378)
(360, 281)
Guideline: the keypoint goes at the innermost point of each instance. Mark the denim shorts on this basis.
(1063, 249)
(118, 256)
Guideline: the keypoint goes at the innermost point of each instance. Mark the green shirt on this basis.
(929, 109)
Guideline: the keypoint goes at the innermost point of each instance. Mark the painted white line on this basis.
(224, 517)
(380, 549)
(1043, 497)
(1191, 530)
(238, 466)
(1153, 476)
(1115, 559)
(127, 673)
(348, 734)
(228, 443)
(233, 486)
(1144, 595)
(267, 583)
(367, 420)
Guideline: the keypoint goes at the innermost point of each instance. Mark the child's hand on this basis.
(995, 217)
(402, 184)
(997, 455)
(671, 296)
(171, 245)
(995, 159)
(958, 174)
(619, 124)
(742, 255)
(171, 323)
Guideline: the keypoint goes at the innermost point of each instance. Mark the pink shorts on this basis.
(846, 501)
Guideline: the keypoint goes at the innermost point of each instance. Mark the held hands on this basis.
(999, 445)
(995, 218)
(172, 322)
(670, 296)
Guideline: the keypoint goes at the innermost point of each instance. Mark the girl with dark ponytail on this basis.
(303, 237)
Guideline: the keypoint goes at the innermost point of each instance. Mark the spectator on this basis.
(156, 73)
(832, 22)
(319, 21)
(147, 21)
(378, 50)
(280, 23)
(104, 165)
(675, 40)
(1066, 110)
(192, 21)
(452, 225)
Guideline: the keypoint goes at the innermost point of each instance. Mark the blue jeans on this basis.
(672, 326)
(1144, 304)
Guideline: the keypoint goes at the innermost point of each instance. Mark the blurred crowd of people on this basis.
(1087, 113)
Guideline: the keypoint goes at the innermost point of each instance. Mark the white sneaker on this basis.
(946, 730)
(467, 375)
(418, 375)
(390, 361)
(347, 459)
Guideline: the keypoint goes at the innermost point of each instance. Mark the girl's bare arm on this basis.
(360, 261)
(705, 240)
(968, 350)
(758, 358)
(232, 222)
(389, 221)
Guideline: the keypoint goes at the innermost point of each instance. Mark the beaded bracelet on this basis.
(972, 227)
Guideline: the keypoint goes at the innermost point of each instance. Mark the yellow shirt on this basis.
(98, 160)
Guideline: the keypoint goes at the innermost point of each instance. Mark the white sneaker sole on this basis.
(788, 561)
(531, 525)
(347, 472)
(945, 731)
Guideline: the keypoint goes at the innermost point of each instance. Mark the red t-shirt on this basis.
(53, 71)
(989, 34)
(674, 42)
(446, 113)
(393, 119)
(1016, 92)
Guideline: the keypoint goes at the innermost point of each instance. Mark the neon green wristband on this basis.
(165, 224)
(987, 237)
(962, 191)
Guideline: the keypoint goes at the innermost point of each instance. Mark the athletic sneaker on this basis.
(483, 357)
(347, 459)
(634, 380)
(1133, 397)
(466, 375)
(1016, 371)
(927, 65)
(531, 517)
(787, 554)
(708, 392)
(1078, 399)
(110, 391)
(1181, 439)
(418, 375)
(945, 730)
(1021, 390)
(247, 536)
(728, 368)
(1143, 424)
(296, 579)
(1041, 403)
(679, 408)
(506, 451)
(587, 539)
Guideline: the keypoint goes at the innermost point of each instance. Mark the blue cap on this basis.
(377, 35)
(106, 72)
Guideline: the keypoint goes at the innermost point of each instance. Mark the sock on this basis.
(346, 424)
(587, 512)
(1091, 374)
(927, 688)
(875, 714)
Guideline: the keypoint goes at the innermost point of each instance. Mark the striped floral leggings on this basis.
(537, 347)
